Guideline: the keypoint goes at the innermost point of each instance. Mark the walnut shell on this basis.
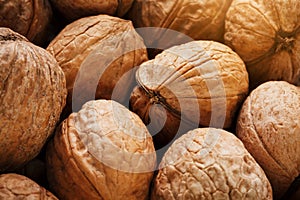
(269, 126)
(102, 152)
(29, 18)
(198, 83)
(267, 37)
(209, 163)
(75, 9)
(98, 53)
(200, 19)
(32, 96)
(14, 186)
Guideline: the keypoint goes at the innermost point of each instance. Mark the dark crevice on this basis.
(294, 187)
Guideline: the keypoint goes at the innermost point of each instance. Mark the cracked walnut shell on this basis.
(209, 163)
(102, 152)
(200, 83)
(269, 126)
(14, 186)
(32, 96)
(266, 34)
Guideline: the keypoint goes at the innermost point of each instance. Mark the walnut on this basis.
(14, 186)
(102, 152)
(200, 19)
(267, 36)
(98, 53)
(200, 83)
(209, 163)
(75, 9)
(32, 96)
(29, 18)
(269, 126)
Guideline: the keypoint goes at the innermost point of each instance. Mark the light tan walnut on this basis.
(102, 152)
(14, 186)
(32, 96)
(200, 83)
(209, 163)
(98, 53)
(269, 127)
(266, 34)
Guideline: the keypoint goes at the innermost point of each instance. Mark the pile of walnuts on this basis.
(143, 99)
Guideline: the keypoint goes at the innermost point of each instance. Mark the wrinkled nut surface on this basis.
(14, 186)
(29, 18)
(200, 19)
(267, 37)
(102, 152)
(75, 9)
(269, 127)
(99, 54)
(32, 96)
(200, 82)
(209, 163)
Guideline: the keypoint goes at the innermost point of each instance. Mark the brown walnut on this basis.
(200, 19)
(269, 126)
(98, 55)
(209, 163)
(200, 83)
(29, 18)
(32, 96)
(14, 186)
(267, 37)
(102, 152)
(75, 9)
